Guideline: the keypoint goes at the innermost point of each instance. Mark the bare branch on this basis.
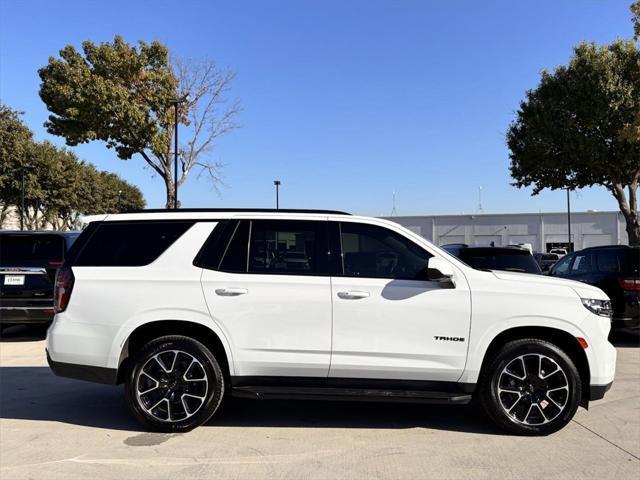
(208, 113)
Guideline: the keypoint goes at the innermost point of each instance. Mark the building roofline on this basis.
(497, 214)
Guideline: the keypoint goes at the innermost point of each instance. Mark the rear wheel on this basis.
(531, 388)
(174, 385)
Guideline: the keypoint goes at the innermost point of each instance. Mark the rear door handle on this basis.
(231, 292)
(353, 294)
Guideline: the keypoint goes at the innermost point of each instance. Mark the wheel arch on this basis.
(159, 328)
(561, 338)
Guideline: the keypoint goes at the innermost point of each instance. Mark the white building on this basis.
(542, 230)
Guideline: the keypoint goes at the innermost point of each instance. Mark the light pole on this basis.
(569, 249)
(119, 195)
(22, 211)
(277, 184)
(176, 102)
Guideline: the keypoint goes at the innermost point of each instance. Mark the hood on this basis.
(583, 290)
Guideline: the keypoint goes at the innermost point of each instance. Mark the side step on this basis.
(350, 394)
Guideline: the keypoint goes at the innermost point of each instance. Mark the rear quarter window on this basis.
(127, 244)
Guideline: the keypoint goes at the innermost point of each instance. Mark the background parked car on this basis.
(546, 260)
(28, 265)
(614, 269)
(512, 259)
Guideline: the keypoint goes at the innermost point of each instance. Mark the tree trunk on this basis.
(629, 210)
(168, 182)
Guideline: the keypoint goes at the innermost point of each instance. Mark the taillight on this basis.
(63, 288)
(630, 283)
(55, 263)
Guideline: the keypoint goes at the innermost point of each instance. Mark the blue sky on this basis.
(344, 101)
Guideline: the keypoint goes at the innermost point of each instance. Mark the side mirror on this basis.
(439, 270)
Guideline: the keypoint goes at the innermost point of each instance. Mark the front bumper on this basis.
(596, 392)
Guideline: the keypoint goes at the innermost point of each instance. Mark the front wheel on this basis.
(174, 384)
(531, 388)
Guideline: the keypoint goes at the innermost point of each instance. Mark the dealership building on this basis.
(542, 230)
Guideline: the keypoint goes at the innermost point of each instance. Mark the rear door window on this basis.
(289, 247)
(582, 264)
(623, 260)
(129, 244)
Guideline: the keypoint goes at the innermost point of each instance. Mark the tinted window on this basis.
(288, 247)
(129, 244)
(235, 256)
(376, 252)
(581, 264)
(213, 249)
(562, 266)
(487, 259)
(31, 250)
(623, 260)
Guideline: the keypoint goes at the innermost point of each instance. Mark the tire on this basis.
(531, 387)
(174, 384)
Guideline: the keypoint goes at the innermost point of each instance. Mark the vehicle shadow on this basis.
(34, 393)
(23, 333)
(625, 337)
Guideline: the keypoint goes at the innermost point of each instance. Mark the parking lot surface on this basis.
(58, 428)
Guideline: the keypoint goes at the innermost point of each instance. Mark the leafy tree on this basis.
(58, 187)
(571, 131)
(15, 140)
(123, 94)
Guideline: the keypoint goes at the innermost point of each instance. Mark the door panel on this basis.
(271, 294)
(395, 328)
(277, 325)
(391, 332)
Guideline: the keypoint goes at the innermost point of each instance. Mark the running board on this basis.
(350, 394)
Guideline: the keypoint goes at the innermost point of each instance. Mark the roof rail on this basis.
(256, 210)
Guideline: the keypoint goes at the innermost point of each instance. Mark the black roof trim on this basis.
(248, 210)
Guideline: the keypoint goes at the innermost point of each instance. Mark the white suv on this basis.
(187, 306)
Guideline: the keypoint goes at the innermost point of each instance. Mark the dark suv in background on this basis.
(511, 259)
(615, 270)
(28, 265)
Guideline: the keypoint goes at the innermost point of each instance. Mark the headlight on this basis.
(599, 307)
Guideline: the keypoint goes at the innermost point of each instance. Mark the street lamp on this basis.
(175, 102)
(119, 195)
(22, 211)
(277, 184)
(569, 249)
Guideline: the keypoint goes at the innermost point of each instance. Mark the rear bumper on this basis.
(24, 315)
(596, 392)
(88, 373)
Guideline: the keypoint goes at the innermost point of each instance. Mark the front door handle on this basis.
(231, 292)
(353, 294)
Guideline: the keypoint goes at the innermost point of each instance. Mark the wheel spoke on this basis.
(556, 389)
(161, 363)
(513, 375)
(524, 367)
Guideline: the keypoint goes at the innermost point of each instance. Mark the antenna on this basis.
(480, 210)
(394, 212)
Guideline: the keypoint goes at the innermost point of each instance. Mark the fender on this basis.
(162, 314)
(479, 346)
